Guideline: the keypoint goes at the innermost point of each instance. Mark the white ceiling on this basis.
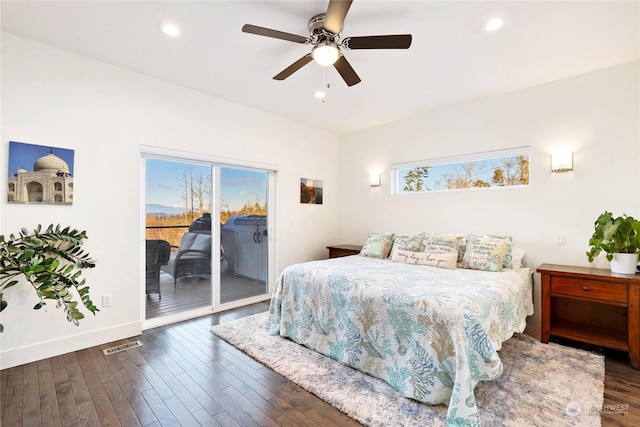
(451, 60)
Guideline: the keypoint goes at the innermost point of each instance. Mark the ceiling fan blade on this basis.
(293, 67)
(346, 71)
(398, 41)
(267, 32)
(336, 12)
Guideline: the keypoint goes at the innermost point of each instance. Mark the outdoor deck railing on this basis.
(170, 233)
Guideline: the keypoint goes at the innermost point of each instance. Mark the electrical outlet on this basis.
(561, 240)
(106, 300)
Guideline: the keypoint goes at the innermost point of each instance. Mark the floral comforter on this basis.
(430, 333)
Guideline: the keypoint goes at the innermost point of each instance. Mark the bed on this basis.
(431, 333)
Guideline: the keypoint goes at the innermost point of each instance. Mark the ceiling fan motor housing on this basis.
(317, 31)
(316, 23)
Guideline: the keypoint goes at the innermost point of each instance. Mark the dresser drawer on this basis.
(589, 289)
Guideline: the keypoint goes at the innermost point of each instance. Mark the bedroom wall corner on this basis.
(595, 115)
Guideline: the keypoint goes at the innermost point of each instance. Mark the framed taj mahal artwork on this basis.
(39, 174)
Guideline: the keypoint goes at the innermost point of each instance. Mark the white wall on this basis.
(104, 113)
(595, 115)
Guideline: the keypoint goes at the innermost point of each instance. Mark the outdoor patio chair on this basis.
(157, 254)
(192, 259)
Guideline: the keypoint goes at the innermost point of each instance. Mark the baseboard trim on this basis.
(44, 350)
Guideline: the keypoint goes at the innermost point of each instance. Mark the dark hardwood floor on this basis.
(184, 375)
(621, 406)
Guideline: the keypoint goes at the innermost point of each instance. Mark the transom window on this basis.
(502, 168)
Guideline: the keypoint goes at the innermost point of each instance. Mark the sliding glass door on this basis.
(177, 237)
(244, 237)
(207, 235)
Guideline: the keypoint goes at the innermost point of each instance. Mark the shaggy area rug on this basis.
(542, 384)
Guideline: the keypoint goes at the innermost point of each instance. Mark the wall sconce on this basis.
(374, 179)
(562, 161)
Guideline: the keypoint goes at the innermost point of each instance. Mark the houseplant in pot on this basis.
(619, 238)
(50, 261)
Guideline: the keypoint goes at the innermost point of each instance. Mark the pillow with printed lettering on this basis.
(507, 263)
(441, 243)
(408, 242)
(486, 253)
(423, 258)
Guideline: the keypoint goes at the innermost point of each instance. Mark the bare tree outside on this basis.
(202, 191)
(195, 194)
(468, 175)
(193, 191)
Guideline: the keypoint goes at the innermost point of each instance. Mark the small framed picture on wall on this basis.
(310, 191)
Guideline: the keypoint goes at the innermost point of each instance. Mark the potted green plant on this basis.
(50, 262)
(619, 238)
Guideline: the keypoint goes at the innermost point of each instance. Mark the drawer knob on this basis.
(585, 288)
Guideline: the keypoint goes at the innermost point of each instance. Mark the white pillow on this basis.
(423, 258)
(516, 257)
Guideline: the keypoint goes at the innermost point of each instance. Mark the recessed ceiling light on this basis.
(319, 94)
(170, 30)
(493, 24)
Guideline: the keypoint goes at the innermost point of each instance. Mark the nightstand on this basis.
(337, 251)
(591, 305)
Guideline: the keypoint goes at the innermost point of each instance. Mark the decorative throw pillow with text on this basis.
(423, 258)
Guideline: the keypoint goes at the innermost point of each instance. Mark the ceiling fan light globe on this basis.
(325, 54)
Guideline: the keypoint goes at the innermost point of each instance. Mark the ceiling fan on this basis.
(324, 36)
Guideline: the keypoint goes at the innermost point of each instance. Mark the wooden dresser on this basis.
(591, 305)
(337, 251)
